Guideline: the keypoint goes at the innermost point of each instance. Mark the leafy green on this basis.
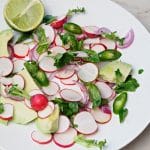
(114, 37)
(123, 114)
(140, 71)
(77, 10)
(67, 108)
(63, 59)
(94, 94)
(119, 76)
(16, 91)
(89, 143)
(131, 84)
(48, 19)
(24, 36)
(1, 108)
(42, 40)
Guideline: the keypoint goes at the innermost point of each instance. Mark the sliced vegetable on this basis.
(18, 65)
(18, 80)
(35, 91)
(70, 81)
(91, 41)
(7, 81)
(57, 49)
(123, 114)
(98, 48)
(91, 31)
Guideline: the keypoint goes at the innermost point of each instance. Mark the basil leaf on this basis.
(131, 84)
(1, 108)
(123, 114)
(48, 19)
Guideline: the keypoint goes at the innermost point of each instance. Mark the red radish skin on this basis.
(7, 66)
(65, 139)
(18, 80)
(85, 123)
(64, 124)
(41, 138)
(8, 112)
(70, 95)
(70, 81)
(91, 31)
(59, 22)
(18, 65)
(21, 50)
(39, 102)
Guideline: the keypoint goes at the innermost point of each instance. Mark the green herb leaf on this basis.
(48, 19)
(43, 43)
(119, 76)
(1, 108)
(24, 36)
(94, 94)
(63, 59)
(140, 71)
(123, 114)
(89, 143)
(16, 91)
(114, 37)
(131, 84)
(77, 10)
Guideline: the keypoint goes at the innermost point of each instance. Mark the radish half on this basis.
(108, 43)
(85, 123)
(8, 112)
(105, 90)
(70, 81)
(18, 65)
(70, 95)
(64, 124)
(21, 50)
(100, 116)
(65, 139)
(52, 89)
(47, 64)
(18, 80)
(91, 31)
(57, 50)
(88, 72)
(41, 138)
(98, 48)
(6, 66)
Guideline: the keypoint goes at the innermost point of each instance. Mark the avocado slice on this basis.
(50, 124)
(5, 36)
(107, 72)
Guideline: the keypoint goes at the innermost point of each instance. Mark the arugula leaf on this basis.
(24, 36)
(123, 114)
(131, 84)
(16, 91)
(89, 143)
(1, 108)
(67, 108)
(94, 94)
(48, 19)
(119, 76)
(140, 71)
(63, 59)
(77, 10)
(43, 43)
(114, 37)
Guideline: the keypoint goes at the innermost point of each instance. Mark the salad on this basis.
(65, 78)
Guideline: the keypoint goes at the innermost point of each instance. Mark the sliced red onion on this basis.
(129, 38)
(35, 53)
(104, 30)
(106, 109)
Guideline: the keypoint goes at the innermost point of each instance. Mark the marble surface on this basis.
(141, 10)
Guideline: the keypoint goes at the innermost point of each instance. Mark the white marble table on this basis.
(140, 9)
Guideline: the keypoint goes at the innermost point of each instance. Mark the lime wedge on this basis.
(24, 15)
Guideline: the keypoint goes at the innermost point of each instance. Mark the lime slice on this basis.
(24, 15)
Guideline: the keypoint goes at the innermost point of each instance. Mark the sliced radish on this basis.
(47, 111)
(52, 89)
(101, 116)
(81, 54)
(91, 31)
(58, 41)
(47, 64)
(85, 123)
(34, 92)
(27, 103)
(49, 32)
(91, 41)
(64, 124)
(32, 45)
(105, 90)
(98, 47)
(21, 50)
(112, 96)
(19, 81)
(81, 36)
(70, 81)
(6, 66)
(70, 95)
(65, 73)
(59, 22)
(88, 72)
(3, 91)
(42, 56)
(8, 112)
(57, 49)
(41, 138)
(18, 65)
(6, 81)
(65, 139)
(108, 43)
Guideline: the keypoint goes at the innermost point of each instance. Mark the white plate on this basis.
(108, 14)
